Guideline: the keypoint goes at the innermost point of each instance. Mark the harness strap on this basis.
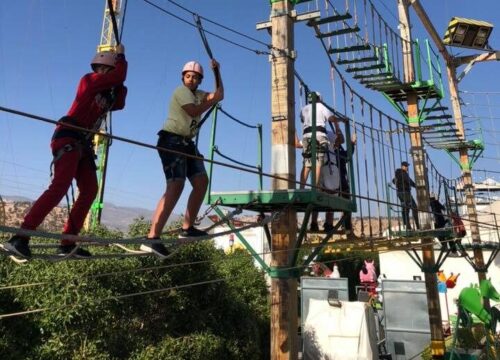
(320, 129)
(185, 139)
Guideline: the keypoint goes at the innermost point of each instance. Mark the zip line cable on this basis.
(183, 286)
(138, 143)
(258, 52)
(223, 26)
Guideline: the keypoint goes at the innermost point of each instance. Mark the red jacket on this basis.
(90, 101)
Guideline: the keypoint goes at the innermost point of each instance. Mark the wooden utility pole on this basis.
(465, 165)
(418, 155)
(466, 168)
(284, 323)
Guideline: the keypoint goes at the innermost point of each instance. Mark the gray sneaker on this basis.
(156, 248)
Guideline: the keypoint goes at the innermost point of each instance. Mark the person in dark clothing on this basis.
(404, 184)
(440, 222)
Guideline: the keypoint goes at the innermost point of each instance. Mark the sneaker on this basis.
(18, 245)
(328, 227)
(156, 248)
(192, 232)
(65, 250)
(314, 227)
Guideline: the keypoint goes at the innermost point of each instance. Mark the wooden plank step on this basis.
(358, 60)
(438, 117)
(365, 68)
(330, 19)
(379, 81)
(440, 124)
(349, 49)
(338, 32)
(387, 85)
(437, 108)
(428, 130)
(426, 137)
(374, 76)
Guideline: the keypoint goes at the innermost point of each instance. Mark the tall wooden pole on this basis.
(421, 180)
(465, 165)
(284, 323)
(466, 168)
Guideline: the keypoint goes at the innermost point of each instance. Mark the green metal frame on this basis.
(213, 147)
(426, 89)
(302, 200)
(243, 241)
(477, 147)
(94, 216)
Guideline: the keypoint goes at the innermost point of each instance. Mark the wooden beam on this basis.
(438, 348)
(430, 29)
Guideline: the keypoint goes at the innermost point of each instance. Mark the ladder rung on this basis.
(438, 108)
(441, 137)
(338, 32)
(379, 81)
(383, 85)
(441, 124)
(330, 19)
(382, 76)
(438, 117)
(429, 130)
(357, 60)
(349, 49)
(365, 68)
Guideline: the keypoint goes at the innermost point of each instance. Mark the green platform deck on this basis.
(274, 200)
(424, 90)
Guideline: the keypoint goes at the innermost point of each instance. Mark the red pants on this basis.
(73, 164)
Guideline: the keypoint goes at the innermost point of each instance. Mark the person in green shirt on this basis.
(187, 105)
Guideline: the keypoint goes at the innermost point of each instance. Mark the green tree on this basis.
(103, 308)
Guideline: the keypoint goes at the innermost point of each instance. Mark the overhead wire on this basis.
(138, 143)
(221, 25)
(175, 287)
(351, 90)
(256, 51)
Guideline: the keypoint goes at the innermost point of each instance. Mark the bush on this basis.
(101, 309)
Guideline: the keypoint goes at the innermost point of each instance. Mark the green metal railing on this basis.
(430, 71)
(213, 149)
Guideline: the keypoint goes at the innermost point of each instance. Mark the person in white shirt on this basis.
(323, 116)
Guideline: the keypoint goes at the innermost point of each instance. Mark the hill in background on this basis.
(113, 217)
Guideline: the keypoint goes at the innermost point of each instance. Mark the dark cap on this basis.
(405, 163)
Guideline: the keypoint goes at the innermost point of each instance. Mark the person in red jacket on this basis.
(98, 92)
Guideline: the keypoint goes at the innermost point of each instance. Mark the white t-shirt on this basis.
(178, 121)
(322, 116)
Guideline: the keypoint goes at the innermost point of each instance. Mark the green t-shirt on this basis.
(178, 120)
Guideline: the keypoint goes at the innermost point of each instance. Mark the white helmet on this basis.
(318, 96)
(104, 58)
(433, 195)
(194, 67)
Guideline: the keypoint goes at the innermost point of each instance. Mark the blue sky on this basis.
(46, 46)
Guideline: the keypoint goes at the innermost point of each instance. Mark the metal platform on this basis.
(272, 200)
(423, 89)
